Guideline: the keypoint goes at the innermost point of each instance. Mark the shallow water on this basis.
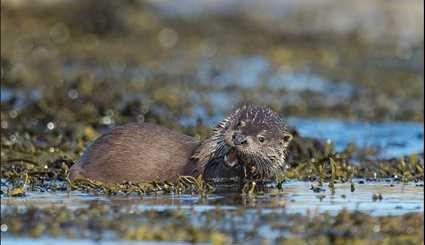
(296, 197)
(391, 139)
(246, 212)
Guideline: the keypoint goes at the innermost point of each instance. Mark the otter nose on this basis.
(239, 139)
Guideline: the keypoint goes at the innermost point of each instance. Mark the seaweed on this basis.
(219, 226)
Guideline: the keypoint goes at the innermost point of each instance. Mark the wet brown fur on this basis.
(137, 152)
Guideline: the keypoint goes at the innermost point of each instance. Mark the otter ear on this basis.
(286, 139)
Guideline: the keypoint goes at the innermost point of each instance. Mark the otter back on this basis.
(137, 152)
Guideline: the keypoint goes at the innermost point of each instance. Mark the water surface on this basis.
(295, 198)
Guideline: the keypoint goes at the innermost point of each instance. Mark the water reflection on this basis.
(295, 197)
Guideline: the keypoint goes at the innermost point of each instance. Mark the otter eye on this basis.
(261, 138)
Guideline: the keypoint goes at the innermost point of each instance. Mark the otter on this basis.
(251, 143)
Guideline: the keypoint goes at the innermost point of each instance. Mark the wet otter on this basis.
(250, 143)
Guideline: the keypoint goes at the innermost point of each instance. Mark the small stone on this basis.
(50, 125)
(3, 228)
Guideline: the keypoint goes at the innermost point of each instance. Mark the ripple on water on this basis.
(296, 197)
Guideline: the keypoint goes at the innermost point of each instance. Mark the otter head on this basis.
(252, 137)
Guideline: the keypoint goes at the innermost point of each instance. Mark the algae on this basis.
(217, 226)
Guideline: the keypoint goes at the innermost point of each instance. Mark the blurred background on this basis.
(351, 71)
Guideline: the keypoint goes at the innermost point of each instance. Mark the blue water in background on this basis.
(391, 139)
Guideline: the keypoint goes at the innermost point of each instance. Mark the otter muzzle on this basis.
(239, 139)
